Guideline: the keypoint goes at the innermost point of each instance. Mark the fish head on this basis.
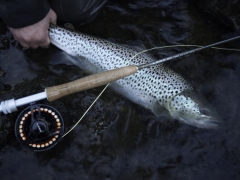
(189, 108)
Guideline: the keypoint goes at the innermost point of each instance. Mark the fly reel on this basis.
(39, 127)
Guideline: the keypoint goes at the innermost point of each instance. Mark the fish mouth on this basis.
(204, 123)
(207, 123)
(207, 120)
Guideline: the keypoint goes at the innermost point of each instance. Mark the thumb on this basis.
(53, 17)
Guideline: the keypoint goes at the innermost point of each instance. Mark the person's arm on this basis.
(28, 21)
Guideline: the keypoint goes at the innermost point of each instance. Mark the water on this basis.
(118, 139)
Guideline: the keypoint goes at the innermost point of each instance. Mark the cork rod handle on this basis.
(89, 82)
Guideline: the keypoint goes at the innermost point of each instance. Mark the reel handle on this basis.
(89, 82)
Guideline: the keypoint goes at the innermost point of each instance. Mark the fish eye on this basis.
(205, 112)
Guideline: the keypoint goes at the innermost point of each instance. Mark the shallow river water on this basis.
(118, 139)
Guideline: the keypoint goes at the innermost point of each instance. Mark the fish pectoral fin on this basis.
(159, 110)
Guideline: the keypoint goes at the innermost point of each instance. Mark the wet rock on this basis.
(2, 73)
(4, 43)
(6, 38)
(225, 11)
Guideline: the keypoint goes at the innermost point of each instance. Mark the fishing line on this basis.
(86, 110)
(180, 45)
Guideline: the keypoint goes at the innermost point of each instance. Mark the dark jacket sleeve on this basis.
(21, 13)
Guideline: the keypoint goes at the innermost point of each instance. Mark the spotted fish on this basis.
(154, 88)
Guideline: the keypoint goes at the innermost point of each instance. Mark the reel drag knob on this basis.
(39, 127)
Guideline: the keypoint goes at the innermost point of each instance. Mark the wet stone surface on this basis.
(226, 12)
(118, 139)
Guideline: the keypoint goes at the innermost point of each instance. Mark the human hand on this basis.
(35, 35)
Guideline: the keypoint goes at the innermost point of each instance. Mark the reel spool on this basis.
(39, 127)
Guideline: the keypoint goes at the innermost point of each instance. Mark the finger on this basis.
(53, 17)
(44, 40)
(25, 48)
(45, 44)
(17, 39)
(24, 45)
(33, 45)
(45, 47)
(29, 44)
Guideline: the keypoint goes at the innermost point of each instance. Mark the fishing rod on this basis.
(92, 81)
(40, 126)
